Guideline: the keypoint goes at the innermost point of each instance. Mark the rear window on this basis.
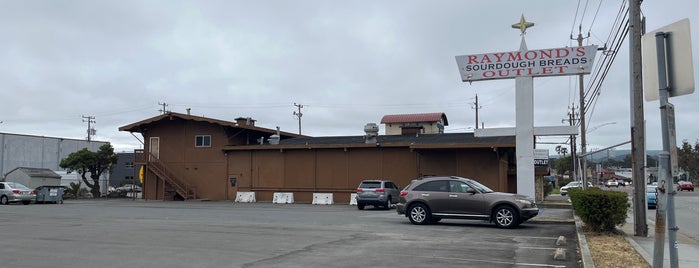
(370, 184)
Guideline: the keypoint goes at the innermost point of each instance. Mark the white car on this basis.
(611, 183)
(573, 184)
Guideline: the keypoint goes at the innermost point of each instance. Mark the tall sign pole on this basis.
(675, 76)
(523, 65)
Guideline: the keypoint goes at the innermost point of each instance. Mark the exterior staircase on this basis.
(160, 169)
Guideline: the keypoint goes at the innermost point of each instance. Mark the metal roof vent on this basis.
(372, 132)
(274, 138)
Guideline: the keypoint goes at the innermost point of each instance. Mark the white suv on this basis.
(611, 183)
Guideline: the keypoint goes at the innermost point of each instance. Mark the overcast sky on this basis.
(347, 62)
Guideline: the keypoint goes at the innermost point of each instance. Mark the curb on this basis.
(585, 254)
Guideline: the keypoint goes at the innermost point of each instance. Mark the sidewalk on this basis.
(687, 248)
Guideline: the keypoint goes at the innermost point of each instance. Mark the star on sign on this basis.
(522, 25)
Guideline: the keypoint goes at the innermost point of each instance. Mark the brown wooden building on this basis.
(193, 157)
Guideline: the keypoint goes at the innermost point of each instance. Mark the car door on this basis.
(465, 200)
(392, 191)
(435, 194)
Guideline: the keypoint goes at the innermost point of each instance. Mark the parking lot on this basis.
(128, 233)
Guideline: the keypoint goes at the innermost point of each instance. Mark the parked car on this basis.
(128, 188)
(652, 196)
(685, 186)
(573, 184)
(11, 192)
(378, 193)
(611, 183)
(429, 200)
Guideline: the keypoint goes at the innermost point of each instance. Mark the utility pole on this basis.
(164, 109)
(583, 141)
(638, 143)
(476, 107)
(298, 114)
(90, 131)
(573, 155)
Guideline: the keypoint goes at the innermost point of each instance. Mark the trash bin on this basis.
(50, 194)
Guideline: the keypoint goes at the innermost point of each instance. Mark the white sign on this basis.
(530, 63)
(541, 157)
(681, 67)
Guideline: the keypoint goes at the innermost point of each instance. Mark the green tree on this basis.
(93, 163)
(688, 158)
(564, 165)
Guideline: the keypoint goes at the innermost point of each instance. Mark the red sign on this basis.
(541, 62)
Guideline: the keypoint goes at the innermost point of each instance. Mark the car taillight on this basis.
(33, 191)
(403, 193)
(380, 190)
(359, 190)
(15, 191)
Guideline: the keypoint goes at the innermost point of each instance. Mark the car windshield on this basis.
(480, 187)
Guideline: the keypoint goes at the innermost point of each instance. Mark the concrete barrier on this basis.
(353, 199)
(283, 198)
(322, 198)
(245, 197)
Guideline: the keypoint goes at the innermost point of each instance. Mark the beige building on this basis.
(404, 124)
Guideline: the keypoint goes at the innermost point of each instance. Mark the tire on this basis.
(360, 206)
(419, 214)
(505, 217)
(4, 200)
(387, 206)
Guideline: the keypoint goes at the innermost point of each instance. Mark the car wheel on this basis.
(360, 206)
(388, 203)
(419, 214)
(505, 217)
(4, 200)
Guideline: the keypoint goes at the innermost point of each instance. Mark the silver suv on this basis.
(378, 193)
(431, 199)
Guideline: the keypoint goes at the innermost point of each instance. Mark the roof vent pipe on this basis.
(274, 138)
(372, 133)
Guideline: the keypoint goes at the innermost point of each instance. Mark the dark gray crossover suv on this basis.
(378, 193)
(429, 200)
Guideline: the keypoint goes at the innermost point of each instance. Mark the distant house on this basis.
(194, 157)
(124, 169)
(34, 177)
(404, 124)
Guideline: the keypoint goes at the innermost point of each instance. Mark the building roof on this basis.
(142, 125)
(421, 141)
(414, 118)
(37, 172)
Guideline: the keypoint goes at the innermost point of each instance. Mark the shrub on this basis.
(600, 210)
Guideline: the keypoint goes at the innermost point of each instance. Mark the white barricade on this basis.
(322, 198)
(353, 199)
(245, 197)
(283, 198)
